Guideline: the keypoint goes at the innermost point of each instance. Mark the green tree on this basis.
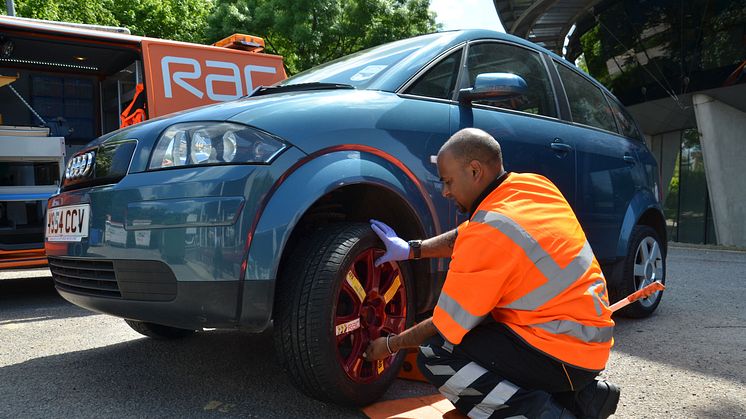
(76, 11)
(310, 32)
(181, 20)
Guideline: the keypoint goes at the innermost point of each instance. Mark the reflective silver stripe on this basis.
(457, 313)
(494, 400)
(461, 380)
(585, 333)
(427, 351)
(471, 392)
(558, 279)
(448, 346)
(441, 369)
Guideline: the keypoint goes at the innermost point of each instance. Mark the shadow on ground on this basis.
(34, 299)
(700, 324)
(213, 374)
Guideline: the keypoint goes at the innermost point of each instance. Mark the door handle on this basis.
(629, 159)
(558, 146)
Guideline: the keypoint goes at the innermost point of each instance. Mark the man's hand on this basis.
(377, 350)
(396, 248)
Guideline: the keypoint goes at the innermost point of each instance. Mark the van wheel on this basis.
(332, 301)
(158, 331)
(645, 264)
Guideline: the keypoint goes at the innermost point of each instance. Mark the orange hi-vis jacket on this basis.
(524, 259)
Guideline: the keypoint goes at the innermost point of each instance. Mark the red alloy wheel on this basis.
(372, 302)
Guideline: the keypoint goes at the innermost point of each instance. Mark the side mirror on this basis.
(494, 86)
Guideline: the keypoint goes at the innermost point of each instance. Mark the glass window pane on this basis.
(439, 81)
(504, 58)
(624, 121)
(29, 174)
(587, 103)
(692, 190)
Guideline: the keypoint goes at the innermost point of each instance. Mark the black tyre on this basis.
(331, 302)
(158, 331)
(645, 264)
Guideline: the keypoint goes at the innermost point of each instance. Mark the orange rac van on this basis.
(64, 84)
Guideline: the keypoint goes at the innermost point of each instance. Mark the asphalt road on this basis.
(56, 360)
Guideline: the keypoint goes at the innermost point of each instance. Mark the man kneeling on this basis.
(522, 325)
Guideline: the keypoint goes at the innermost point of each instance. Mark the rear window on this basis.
(587, 102)
(624, 120)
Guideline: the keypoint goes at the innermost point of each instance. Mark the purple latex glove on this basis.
(396, 248)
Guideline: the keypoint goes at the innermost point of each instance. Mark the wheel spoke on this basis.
(355, 286)
(374, 274)
(378, 367)
(645, 252)
(354, 359)
(654, 252)
(639, 270)
(395, 324)
(658, 273)
(393, 289)
(344, 328)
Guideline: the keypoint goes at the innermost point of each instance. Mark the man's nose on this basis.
(446, 192)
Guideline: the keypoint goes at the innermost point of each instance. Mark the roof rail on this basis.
(101, 28)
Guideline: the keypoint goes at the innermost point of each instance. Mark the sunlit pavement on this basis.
(57, 360)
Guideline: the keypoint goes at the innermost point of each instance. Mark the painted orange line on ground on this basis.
(426, 407)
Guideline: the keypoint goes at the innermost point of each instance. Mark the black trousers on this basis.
(494, 374)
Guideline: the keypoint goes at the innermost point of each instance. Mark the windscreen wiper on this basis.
(300, 87)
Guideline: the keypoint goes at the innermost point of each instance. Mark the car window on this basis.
(624, 120)
(587, 102)
(504, 58)
(440, 81)
(361, 68)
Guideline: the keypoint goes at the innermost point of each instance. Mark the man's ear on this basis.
(475, 167)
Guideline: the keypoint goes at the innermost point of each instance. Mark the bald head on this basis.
(468, 163)
(471, 144)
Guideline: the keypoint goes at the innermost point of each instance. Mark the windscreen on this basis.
(362, 68)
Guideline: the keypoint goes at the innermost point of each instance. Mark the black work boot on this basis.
(597, 400)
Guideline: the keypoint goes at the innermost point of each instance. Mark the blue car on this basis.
(255, 212)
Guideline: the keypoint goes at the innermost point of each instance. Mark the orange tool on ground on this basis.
(642, 293)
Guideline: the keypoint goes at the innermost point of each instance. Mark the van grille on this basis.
(85, 277)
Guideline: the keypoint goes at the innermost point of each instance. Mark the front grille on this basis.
(143, 280)
(90, 277)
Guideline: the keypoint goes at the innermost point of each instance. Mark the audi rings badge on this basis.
(80, 166)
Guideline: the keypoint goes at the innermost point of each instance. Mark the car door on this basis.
(607, 163)
(432, 95)
(533, 139)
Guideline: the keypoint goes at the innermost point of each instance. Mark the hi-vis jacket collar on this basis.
(488, 190)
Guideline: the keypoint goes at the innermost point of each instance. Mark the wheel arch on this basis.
(643, 209)
(331, 186)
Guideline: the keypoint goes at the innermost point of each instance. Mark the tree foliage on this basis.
(182, 20)
(310, 32)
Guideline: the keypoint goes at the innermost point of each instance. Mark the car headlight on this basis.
(206, 143)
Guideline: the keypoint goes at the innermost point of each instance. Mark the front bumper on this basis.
(169, 246)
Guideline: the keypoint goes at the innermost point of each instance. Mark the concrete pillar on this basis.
(665, 148)
(722, 129)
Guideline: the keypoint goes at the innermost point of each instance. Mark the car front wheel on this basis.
(332, 302)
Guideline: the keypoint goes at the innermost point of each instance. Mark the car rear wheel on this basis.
(645, 264)
(158, 331)
(332, 301)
